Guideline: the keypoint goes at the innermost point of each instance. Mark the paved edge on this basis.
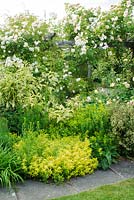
(35, 190)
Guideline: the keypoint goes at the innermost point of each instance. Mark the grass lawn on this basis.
(120, 191)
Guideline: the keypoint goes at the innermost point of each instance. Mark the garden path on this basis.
(34, 190)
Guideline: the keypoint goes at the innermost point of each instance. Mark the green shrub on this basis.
(34, 118)
(60, 129)
(83, 121)
(104, 148)
(21, 119)
(57, 159)
(4, 135)
(90, 119)
(6, 138)
(122, 122)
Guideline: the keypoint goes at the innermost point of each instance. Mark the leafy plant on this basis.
(57, 159)
(9, 167)
(122, 122)
(104, 148)
(90, 119)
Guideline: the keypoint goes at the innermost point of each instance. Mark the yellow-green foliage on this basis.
(58, 159)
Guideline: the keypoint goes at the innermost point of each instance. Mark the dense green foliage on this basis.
(66, 91)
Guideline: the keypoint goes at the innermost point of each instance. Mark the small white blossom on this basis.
(36, 42)
(108, 102)
(101, 44)
(103, 37)
(31, 49)
(69, 73)
(36, 70)
(95, 46)
(105, 46)
(119, 39)
(88, 99)
(79, 40)
(72, 50)
(118, 79)
(83, 50)
(127, 85)
(112, 84)
(114, 19)
(107, 27)
(39, 32)
(3, 47)
(25, 44)
(8, 62)
(65, 76)
(78, 79)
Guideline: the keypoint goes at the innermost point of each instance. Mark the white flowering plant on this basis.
(96, 56)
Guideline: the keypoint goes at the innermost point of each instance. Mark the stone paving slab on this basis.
(95, 180)
(6, 194)
(125, 168)
(32, 190)
(35, 190)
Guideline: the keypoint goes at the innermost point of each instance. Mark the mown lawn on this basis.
(120, 191)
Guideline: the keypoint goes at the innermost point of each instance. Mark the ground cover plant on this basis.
(52, 93)
(57, 159)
